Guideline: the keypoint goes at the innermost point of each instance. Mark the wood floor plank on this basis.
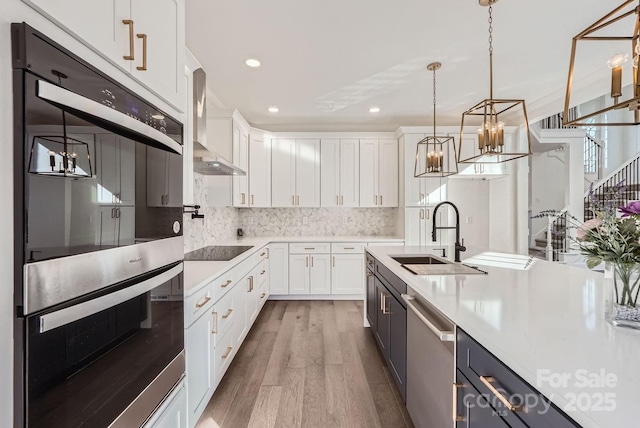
(277, 359)
(398, 399)
(342, 318)
(278, 309)
(216, 411)
(337, 397)
(266, 407)
(332, 347)
(389, 414)
(315, 317)
(372, 361)
(314, 403)
(238, 415)
(290, 409)
(297, 353)
(362, 409)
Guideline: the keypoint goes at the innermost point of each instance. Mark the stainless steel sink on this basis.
(419, 260)
(431, 265)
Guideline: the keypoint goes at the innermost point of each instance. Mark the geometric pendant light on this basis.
(492, 116)
(435, 155)
(612, 43)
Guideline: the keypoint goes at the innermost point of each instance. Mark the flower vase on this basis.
(622, 308)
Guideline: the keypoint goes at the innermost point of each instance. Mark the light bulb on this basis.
(617, 60)
(52, 153)
(635, 61)
(637, 49)
(500, 125)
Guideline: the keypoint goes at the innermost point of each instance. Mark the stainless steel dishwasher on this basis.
(430, 364)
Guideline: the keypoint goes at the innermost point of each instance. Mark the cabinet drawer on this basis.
(223, 316)
(262, 273)
(486, 372)
(310, 248)
(224, 283)
(198, 304)
(224, 352)
(347, 248)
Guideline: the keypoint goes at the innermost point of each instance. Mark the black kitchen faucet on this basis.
(459, 246)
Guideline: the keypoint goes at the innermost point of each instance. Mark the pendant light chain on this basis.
(491, 51)
(434, 102)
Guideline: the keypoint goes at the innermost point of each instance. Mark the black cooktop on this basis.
(217, 253)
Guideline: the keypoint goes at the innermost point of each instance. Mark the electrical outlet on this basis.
(305, 220)
(250, 220)
(345, 220)
(469, 219)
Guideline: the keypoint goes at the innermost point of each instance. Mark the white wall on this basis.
(472, 199)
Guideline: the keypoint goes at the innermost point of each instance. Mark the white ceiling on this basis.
(325, 62)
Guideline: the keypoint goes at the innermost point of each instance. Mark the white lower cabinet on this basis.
(173, 412)
(320, 274)
(299, 274)
(347, 274)
(218, 319)
(279, 269)
(199, 366)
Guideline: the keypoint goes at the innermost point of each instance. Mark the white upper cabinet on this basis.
(143, 37)
(241, 160)
(295, 173)
(378, 173)
(423, 191)
(308, 173)
(283, 173)
(259, 171)
(339, 167)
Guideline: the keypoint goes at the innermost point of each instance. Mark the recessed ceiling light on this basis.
(252, 62)
(273, 109)
(374, 109)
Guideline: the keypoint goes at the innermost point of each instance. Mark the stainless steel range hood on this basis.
(205, 161)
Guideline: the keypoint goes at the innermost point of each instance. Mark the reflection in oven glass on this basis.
(87, 372)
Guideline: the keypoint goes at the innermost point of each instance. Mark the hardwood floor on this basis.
(307, 364)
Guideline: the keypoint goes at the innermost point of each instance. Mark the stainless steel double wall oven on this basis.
(98, 209)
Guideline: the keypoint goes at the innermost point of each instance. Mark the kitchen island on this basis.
(545, 321)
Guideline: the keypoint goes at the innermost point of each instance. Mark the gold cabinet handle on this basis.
(263, 272)
(267, 253)
(381, 200)
(309, 248)
(215, 323)
(298, 200)
(226, 315)
(422, 201)
(333, 262)
(427, 212)
(422, 213)
(226, 354)
(262, 295)
(250, 279)
(144, 52)
(341, 200)
(456, 418)
(263, 254)
(381, 301)
(349, 248)
(376, 200)
(337, 200)
(369, 273)
(204, 302)
(488, 382)
(306, 261)
(252, 203)
(129, 22)
(384, 304)
(226, 284)
(293, 200)
(242, 199)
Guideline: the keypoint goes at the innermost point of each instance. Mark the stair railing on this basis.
(556, 234)
(593, 157)
(628, 174)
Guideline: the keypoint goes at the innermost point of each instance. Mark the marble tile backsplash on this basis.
(218, 224)
(320, 221)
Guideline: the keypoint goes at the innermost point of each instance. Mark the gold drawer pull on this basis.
(263, 254)
(226, 284)
(309, 248)
(226, 354)
(263, 272)
(204, 302)
(144, 52)
(226, 315)
(456, 418)
(369, 273)
(487, 380)
(349, 248)
(129, 22)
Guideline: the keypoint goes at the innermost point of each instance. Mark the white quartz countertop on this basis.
(197, 274)
(543, 322)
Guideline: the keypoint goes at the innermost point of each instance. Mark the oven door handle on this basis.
(68, 315)
(105, 116)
